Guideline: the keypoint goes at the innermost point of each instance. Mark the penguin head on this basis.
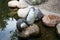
(21, 24)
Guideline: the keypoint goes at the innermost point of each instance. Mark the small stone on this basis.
(51, 20)
(58, 28)
(34, 2)
(22, 12)
(12, 3)
(22, 4)
(32, 30)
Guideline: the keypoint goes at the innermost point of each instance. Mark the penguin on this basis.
(38, 13)
(34, 14)
(31, 16)
(21, 25)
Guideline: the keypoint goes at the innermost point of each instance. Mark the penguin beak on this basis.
(23, 25)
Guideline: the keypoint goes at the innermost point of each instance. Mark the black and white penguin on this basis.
(21, 24)
(33, 15)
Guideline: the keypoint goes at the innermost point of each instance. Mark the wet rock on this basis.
(51, 20)
(33, 15)
(34, 2)
(22, 4)
(32, 30)
(22, 12)
(12, 3)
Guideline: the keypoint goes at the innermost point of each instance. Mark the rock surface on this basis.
(51, 20)
(12, 3)
(23, 12)
(51, 5)
(34, 2)
(22, 4)
(32, 30)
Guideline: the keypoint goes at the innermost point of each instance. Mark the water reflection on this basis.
(10, 27)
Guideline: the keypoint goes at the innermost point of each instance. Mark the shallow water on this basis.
(8, 19)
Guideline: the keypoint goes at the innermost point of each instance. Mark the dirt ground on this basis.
(51, 5)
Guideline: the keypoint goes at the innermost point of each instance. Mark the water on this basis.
(8, 19)
(6, 32)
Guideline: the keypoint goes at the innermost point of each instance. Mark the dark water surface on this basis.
(8, 19)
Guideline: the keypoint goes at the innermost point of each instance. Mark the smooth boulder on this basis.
(22, 4)
(51, 20)
(22, 12)
(12, 3)
(32, 30)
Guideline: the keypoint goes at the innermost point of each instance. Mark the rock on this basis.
(58, 28)
(14, 0)
(22, 12)
(51, 20)
(34, 2)
(12, 3)
(22, 4)
(32, 30)
(21, 24)
(33, 15)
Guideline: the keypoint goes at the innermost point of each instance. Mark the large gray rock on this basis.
(34, 2)
(51, 20)
(32, 30)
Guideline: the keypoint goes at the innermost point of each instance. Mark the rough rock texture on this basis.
(32, 30)
(51, 20)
